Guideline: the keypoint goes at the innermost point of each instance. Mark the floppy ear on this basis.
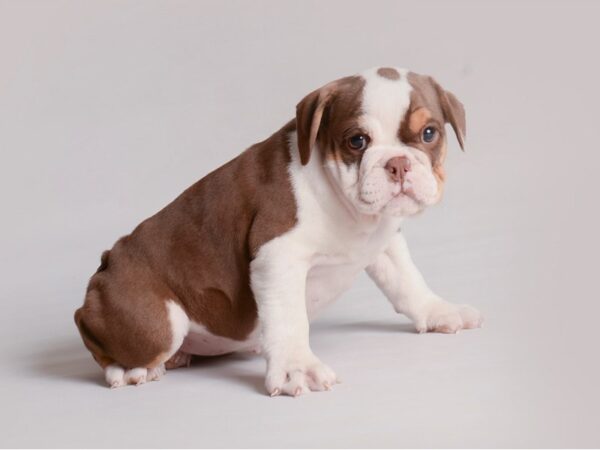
(309, 113)
(454, 113)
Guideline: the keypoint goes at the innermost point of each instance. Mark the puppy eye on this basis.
(358, 142)
(429, 134)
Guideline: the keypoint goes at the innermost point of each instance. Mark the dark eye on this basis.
(358, 142)
(429, 134)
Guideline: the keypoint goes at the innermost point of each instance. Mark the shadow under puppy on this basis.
(244, 258)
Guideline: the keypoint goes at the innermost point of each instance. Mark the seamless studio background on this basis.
(108, 110)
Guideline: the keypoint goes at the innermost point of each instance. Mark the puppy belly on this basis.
(200, 341)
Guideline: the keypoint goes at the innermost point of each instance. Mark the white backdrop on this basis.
(109, 109)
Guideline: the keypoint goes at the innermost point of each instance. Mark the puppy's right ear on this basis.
(309, 113)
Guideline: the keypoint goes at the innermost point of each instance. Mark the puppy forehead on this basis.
(386, 99)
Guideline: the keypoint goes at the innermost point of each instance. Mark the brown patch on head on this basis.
(328, 117)
(389, 73)
(432, 106)
(424, 111)
(442, 103)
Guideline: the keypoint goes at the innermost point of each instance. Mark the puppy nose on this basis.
(397, 167)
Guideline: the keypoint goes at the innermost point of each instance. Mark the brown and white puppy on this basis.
(244, 258)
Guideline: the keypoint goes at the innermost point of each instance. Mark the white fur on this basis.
(402, 283)
(337, 235)
(136, 376)
(116, 376)
(384, 104)
(180, 326)
(113, 374)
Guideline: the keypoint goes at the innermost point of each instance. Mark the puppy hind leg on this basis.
(116, 375)
(179, 324)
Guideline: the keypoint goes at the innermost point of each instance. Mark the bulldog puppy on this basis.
(244, 258)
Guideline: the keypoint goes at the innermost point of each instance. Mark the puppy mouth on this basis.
(398, 193)
(404, 190)
(404, 195)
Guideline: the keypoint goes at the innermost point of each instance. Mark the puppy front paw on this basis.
(297, 376)
(443, 317)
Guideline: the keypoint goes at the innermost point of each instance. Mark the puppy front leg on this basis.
(397, 276)
(279, 284)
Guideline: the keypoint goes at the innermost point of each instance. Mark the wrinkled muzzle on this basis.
(395, 181)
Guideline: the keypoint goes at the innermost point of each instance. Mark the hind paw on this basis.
(116, 376)
(156, 373)
(179, 359)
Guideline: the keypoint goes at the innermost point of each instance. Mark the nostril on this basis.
(406, 165)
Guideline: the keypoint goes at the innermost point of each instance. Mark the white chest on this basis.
(326, 283)
(332, 274)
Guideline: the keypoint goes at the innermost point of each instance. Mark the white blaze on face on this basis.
(385, 103)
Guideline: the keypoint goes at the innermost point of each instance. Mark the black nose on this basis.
(397, 167)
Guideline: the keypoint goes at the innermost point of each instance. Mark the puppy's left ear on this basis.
(454, 113)
(309, 114)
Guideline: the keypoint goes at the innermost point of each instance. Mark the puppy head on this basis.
(381, 138)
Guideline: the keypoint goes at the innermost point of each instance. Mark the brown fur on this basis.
(388, 72)
(196, 252)
(430, 105)
(443, 105)
(328, 116)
